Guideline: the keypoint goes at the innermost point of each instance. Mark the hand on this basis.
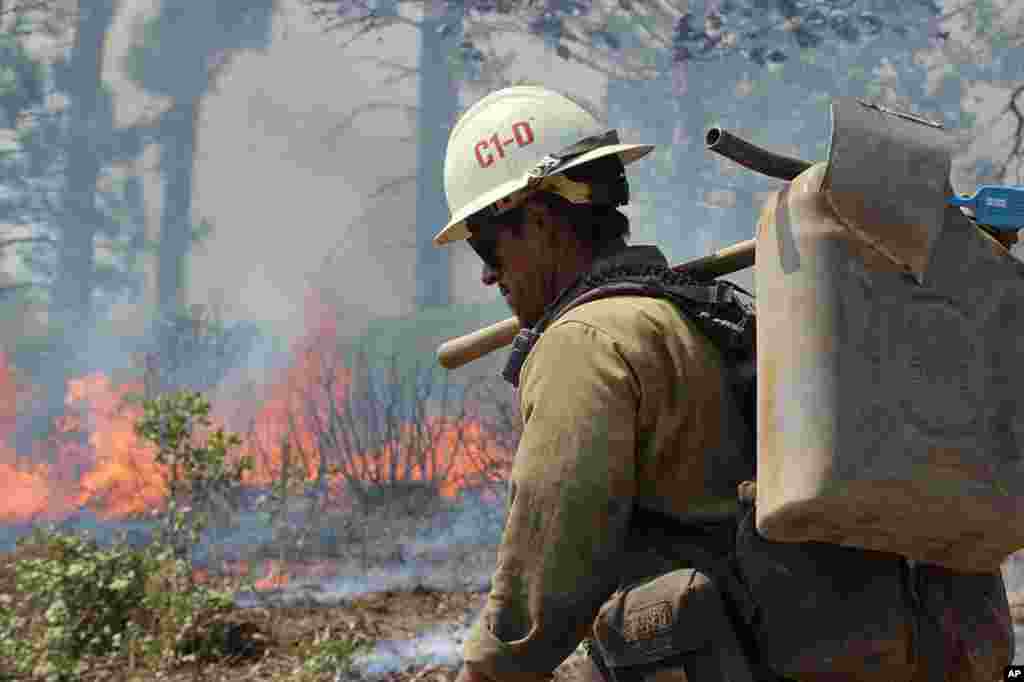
(468, 674)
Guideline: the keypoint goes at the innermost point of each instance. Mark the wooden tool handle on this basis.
(464, 349)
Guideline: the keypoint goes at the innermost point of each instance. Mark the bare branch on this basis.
(494, 68)
(404, 71)
(368, 11)
(39, 5)
(606, 70)
(255, 442)
(398, 78)
(342, 127)
(7, 289)
(392, 185)
(365, 25)
(609, 70)
(958, 10)
(295, 442)
(4, 243)
(1017, 147)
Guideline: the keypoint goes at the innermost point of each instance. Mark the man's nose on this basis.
(488, 275)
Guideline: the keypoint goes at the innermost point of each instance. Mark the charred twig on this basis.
(1017, 148)
(342, 126)
(4, 243)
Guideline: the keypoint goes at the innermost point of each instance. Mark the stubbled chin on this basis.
(524, 319)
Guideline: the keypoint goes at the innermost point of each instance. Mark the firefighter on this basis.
(625, 408)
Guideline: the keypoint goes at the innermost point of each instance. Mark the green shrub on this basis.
(333, 655)
(180, 615)
(15, 652)
(77, 600)
(200, 474)
(202, 477)
(86, 600)
(81, 601)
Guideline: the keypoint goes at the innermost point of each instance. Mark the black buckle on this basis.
(722, 293)
(587, 144)
(521, 347)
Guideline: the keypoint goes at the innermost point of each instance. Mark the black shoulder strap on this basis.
(717, 307)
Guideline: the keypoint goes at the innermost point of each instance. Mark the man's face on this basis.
(532, 263)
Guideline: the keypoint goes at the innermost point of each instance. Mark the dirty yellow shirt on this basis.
(622, 402)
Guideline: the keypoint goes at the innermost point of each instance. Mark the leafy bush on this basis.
(200, 473)
(77, 600)
(182, 616)
(333, 655)
(15, 652)
(80, 601)
(85, 599)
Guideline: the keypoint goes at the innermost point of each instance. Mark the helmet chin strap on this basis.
(548, 176)
(611, 194)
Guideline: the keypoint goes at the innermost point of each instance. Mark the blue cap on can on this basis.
(1000, 207)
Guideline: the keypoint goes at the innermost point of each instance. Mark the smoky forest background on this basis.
(220, 303)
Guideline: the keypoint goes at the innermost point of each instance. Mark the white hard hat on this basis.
(516, 141)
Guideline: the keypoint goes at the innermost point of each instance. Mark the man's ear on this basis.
(538, 214)
(547, 223)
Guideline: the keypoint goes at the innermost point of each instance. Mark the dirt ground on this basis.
(376, 616)
(281, 636)
(286, 632)
(274, 641)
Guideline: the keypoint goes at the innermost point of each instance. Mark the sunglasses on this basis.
(485, 232)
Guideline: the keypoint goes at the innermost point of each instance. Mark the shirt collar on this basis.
(615, 255)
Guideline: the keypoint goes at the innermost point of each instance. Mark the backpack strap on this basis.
(715, 307)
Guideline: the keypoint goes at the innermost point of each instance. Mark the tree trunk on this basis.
(178, 142)
(438, 101)
(76, 263)
(89, 125)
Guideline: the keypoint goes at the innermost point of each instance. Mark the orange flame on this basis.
(26, 493)
(96, 461)
(274, 578)
(126, 478)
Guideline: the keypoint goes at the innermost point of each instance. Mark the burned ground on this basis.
(410, 632)
(401, 587)
(411, 635)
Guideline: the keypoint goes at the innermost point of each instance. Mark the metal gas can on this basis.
(890, 360)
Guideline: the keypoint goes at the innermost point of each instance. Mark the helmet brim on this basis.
(457, 230)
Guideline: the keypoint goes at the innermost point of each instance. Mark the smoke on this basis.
(393, 577)
(475, 522)
(449, 551)
(136, 534)
(438, 647)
